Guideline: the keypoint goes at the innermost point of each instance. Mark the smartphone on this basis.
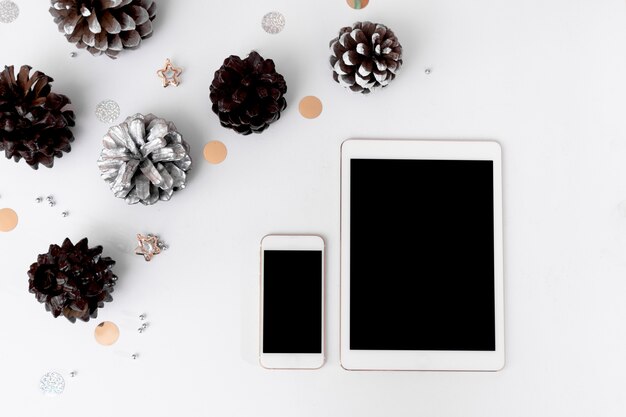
(292, 309)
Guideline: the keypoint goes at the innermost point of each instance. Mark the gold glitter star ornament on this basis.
(169, 74)
(149, 246)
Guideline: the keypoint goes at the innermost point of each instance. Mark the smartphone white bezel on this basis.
(292, 360)
(420, 360)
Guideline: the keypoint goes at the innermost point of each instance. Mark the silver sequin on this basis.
(8, 11)
(52, 383)
(273, 22)
(107, 111)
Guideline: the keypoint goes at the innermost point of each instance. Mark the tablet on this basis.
(421, 256)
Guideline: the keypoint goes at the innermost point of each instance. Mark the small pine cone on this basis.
(104, 26)
(144, 159)
(72, 280)
(34, 122)
(248, 94)
(365, 57)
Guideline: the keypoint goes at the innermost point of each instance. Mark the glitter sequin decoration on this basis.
(52, 383)
(358, 4)
(8, 11)
(107, 111)
(273, 22)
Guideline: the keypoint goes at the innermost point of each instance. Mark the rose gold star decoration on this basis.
(149, 245)
(169, 74)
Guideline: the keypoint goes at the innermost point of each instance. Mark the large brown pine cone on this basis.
(365, 57)
(72, 280)
(104, 26)
(34, 122)
(248, 94)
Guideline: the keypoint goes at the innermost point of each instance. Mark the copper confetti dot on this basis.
(8, 219)
(358, 4)
(107, 333)
(310, 107)
(215, 152)
(273, 22)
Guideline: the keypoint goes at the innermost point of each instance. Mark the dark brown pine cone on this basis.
(34, 122)
(104, 26)
(72, 280)
(248, 94)
(365, 57)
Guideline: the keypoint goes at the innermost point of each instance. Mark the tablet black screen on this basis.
(421, 255)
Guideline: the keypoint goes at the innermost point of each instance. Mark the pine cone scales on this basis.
(72, 280)
(34, 122)
(248, 94)
(104, 26)
(144, 159)
(365, 57)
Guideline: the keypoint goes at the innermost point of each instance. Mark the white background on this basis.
(546, 78)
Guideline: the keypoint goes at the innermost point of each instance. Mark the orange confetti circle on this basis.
(8, 219)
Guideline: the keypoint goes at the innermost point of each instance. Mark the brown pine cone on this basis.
(104, 26)
(72, 280)
(34, 122)
(365, 57)
(248, 94)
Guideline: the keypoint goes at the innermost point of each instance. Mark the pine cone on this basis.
(248, 94)
(34, 122)
(365, 57)
(72, 280)
(104, 26)
(144, 159)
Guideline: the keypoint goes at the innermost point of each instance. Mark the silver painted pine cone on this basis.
(144, 159)
(104, 26)
(365, 57)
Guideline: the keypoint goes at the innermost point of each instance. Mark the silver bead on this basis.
(49, 198)
(144, 326)
(73, 54)
(134, 356)
(65, 213)
(38, 200)
(72, 374)
(51, 203)
(427, 71)
(142, 317)
(140, 330)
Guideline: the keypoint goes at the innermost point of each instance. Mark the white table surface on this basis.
(546, 78)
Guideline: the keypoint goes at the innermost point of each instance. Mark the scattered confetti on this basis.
(8, 11)
(107, 111)
(8, 219)
(273, 22)
(215, 152)
(358, 4)
(52, 383)
(310, 107)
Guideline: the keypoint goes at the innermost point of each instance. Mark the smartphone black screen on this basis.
(422, 255)
(292, 301)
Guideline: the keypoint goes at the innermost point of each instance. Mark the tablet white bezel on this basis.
(421, 360)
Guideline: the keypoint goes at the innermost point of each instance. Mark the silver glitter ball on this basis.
(52, 383)
(8, 11)
(273, 22)
(107, 111)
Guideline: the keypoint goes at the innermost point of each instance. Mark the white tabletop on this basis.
(547, 79)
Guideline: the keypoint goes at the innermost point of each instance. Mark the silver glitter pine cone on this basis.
(144, 159)
(365, 57)
(104, 26)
